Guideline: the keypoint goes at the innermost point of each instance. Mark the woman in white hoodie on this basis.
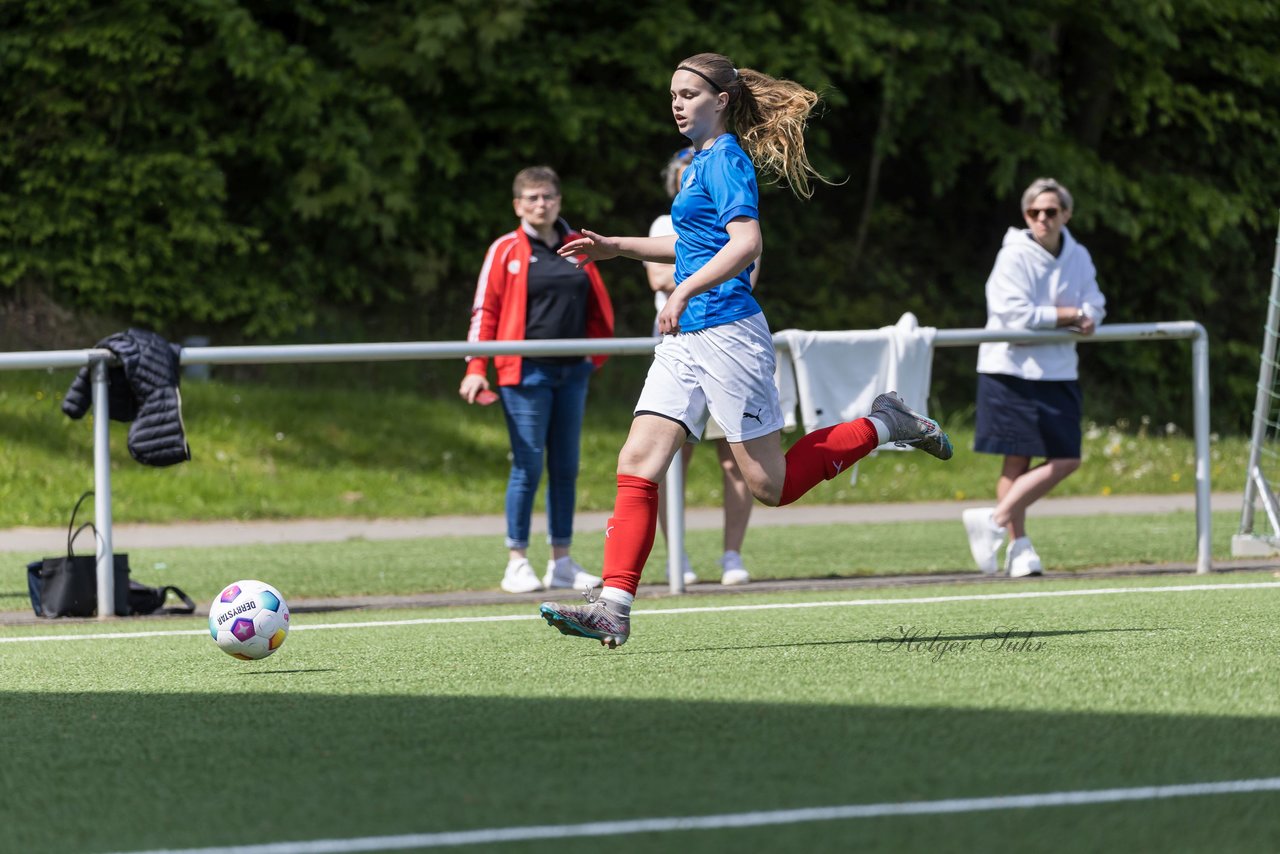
(1029, 402)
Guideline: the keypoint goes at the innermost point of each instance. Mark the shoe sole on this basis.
(937, 444)
(570, 627)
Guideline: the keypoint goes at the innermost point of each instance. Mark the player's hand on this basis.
(669, 317)
(590, 247)
(472, 384)
(1085, 326)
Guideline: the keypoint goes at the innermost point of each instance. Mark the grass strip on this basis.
(459, 726)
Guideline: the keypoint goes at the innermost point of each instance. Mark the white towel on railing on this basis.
(838, 374)
(784, 377)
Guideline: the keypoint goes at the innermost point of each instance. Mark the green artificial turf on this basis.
(137, 743)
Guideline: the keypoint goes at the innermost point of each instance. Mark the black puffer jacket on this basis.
(143, 389)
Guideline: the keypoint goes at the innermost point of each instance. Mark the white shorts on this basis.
(725, 372)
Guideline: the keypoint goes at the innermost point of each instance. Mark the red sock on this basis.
(823, 454)
(628, 536)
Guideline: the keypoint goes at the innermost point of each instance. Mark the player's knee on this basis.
(629, 462)
(641, 461)
(765, 491)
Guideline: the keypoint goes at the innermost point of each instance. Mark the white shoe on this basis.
(1021, 560)
(690, 577)
(520, 577)
(734, 572)
(565, 573)
(985, 537)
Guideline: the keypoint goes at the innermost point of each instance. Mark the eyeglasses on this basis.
(1034, 213)
(539, 197)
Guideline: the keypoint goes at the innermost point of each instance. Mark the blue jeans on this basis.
(544, 420)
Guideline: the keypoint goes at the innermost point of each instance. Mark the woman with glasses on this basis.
(527, 292)
(716, 356)
(737, 495)
(1029, 401)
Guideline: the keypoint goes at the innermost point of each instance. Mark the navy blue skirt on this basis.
(1028, 418)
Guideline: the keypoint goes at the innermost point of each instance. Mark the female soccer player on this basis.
(716, 356)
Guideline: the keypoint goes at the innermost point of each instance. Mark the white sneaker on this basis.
(520, 577)
(566, 573)
(1021, 560)
(985, 537)
(734, 572)
(690, 577)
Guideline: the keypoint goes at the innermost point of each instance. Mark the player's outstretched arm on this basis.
(597, 247)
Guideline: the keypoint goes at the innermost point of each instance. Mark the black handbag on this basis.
(150, 600)
(68, 584)
(142, 599)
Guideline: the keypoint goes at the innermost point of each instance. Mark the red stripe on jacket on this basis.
(498, 311)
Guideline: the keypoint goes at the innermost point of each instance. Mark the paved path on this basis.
(127, 536)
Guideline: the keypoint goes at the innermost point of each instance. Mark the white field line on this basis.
(490, 836)
(719, 609)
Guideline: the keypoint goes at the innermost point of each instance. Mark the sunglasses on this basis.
(1034, 213)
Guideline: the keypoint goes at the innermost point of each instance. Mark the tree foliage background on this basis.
(329, 170)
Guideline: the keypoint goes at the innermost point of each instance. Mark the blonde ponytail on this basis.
(769, 117)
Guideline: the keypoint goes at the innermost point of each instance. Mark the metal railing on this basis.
(98, 361)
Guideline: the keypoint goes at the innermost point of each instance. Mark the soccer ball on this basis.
(249, 620)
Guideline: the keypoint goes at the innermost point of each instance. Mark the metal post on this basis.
(1200, 406)
(1268, 497)
(1262, 402)
(102, 492)
(674, 486)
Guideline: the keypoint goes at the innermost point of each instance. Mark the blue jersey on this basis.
(718, 186)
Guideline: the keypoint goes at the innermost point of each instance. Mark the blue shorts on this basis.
(1028, 418)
